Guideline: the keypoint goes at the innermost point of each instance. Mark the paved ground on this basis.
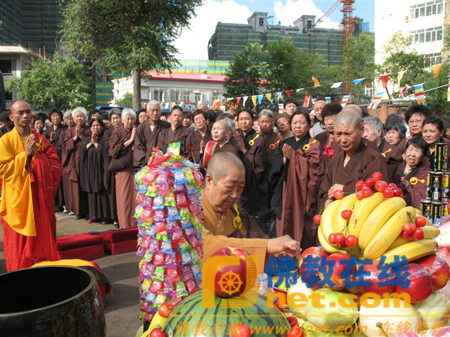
(122, 271)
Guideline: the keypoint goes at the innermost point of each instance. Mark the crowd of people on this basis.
(294, 161)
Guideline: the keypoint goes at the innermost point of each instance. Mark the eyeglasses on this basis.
(415, 121)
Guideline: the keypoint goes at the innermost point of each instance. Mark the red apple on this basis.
(338, 269)
(438, 268)
(377, 176)
(314, 252)
(165, 309)
(360, 195)
(332, 238)
(409, 228)
(418, 234)
(346, 214)
(397, 191)
(388, 193)
(339, 238)
(421, 285)
(406, 236)
(392, 185)
(241, 330)
(317, 218)
(228, 275)
(367, 192)
(359, 185)
(380, 186)
(351, 241)
(373, 277)
(157, 332)
(421, 221)
(296, 331)
(338, 194)
(370, 182)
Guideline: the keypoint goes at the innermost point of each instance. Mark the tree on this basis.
(58, 83)
(126, 100)
(358, 62)
(132, 35)
(245, 73)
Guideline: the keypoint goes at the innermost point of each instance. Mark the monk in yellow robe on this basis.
(31, 171)
(224, 183)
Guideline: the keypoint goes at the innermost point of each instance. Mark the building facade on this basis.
(228, 39)
(422, 22)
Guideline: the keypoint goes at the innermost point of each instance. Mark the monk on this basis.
(197, 140)
(147, 134)
(355, 162)
(224, 183)
(31, 171)
(266, 124)
(219, 132)
(175, 133)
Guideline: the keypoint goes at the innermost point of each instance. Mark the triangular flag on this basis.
(213, 103)
(298, 90)
(404, 91)
(328, 100)
(384, 80)
(306, 101)
(229, 99)
(245, 100)
(336, 85)
(358, 81)
(345, 100)
(436, 69)
(288, 93)
(400, 76)
(314, 100)
(376, 101)
(420, 94)
(280, 96)
(316, 81)
(254, 99)
(448, 90)
(269, 97)
(260, 97)
(173, 104)
(237, 101)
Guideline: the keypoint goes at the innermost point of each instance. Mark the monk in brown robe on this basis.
(219, 132)
(71, 141)
(266, 124)
(373, 132)
(148, 134)
(175, 133)
(224, 183)
(196, 141)
(411, 174)
(294, 177)
(355, 162)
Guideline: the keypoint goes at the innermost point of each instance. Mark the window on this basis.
(428, 9)
(6, 66)
(308, 24)
(198, 97)
(186, 97)
(261, 21)
(431, 34)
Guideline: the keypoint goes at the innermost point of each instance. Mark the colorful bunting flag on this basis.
(238, 100)
(436, 69)
(260, 97)
(298, 90)
(376, 101)
(314, 100)
(316, 81)
(306, 101)
(448, 90)
(336, 85)
(400, 76)
(328, 100)
(245, 100)
(404, 91)
(254, 99)
(420, 94)
(288, 93)
(229, 99)
(358, 81)
(269, 97)
(384, 80)
(345, 100)
(280, 96)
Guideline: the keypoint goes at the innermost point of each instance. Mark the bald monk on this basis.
(355, 162)
(224, 183)
(31, 171)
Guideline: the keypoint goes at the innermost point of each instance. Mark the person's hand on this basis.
(52, 136)
(287, 150)
(329, 201)
(202, 146)
(405, 184)
(77, 132)
(239, 142)
(133, 133)
(333, 189)
(30, 146)
(283, 245)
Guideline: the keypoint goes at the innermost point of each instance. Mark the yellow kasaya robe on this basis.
(27, 207)
(219, 234)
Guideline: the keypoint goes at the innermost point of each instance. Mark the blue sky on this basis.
(193, 42)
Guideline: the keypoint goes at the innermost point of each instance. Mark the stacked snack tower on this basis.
(170, 222)
(435, 206)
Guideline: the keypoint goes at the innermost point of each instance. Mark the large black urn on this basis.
(51, 301)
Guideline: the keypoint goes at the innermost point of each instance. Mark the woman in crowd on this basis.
(415, 116)
(92, 168)
(282, 123)
(433, 132)
(266, 124)
(329, 111)
(38, 125)
(411, 174)
(294, 179)
(121, 152)
(142, 116)
(68, 119)
(395, 132)
(219, 134)
(196, 141)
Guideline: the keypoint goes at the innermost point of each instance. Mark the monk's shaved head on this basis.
(348, 117)
(355, 108)
(222, 163)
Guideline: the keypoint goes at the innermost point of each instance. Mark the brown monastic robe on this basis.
(109, 180)
(228, 147)
(193, 144)
(170, 136)
(393, 154)
(418, 190)
(145, 140)
(364, 162)
(71, 169)
(219, 234)
(271, 141)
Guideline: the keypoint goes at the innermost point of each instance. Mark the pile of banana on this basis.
(376, 226)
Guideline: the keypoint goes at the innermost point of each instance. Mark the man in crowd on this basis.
(319, 127)
(290, 106)
(31, 171)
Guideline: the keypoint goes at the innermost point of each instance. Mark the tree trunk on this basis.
(136, 73)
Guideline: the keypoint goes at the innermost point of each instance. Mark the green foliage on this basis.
(437, 98)
(126, 100)
(132, 35)
(59, 83)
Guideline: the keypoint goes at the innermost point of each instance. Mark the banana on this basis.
(388, 233)
(361, 212)
(412, 250)
(325, 245)
(340, 223)
(157, 320)
(328, 218)
(430, 232)
(378, 218)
